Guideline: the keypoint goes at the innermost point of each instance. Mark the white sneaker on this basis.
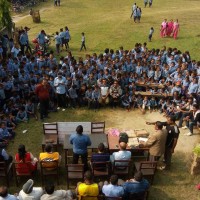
(63, 109)
(184, 127)
(188, 134)
(58, 108)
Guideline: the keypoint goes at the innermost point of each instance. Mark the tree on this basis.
(5, 16)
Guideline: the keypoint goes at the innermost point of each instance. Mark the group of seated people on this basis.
(136, 186)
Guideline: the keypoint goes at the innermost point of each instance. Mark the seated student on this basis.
(122, 154)
(30, 192)
(88, 188)
(52, 194)
(5, 157)
(23, 156)
(137, 185)
(100, 156)
(30, 109)
(4, 133)
(49, 155)
(126, 102)
(22, 115)
(4, 195)
(113, 189)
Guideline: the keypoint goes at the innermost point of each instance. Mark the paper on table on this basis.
(142, 139)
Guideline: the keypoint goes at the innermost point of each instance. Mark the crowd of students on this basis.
(111, 77)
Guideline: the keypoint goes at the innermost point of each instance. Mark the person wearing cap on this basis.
(4, 195)
(137, 185)
(30, 192)
(52, 194)
(172, 139)
(60, 84)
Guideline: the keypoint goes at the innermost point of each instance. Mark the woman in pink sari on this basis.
(170, 27)
(176, 29)
(163, 28)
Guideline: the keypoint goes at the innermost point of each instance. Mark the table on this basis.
(95, 138)
(113, 143)
(151, 85)
(155, 95)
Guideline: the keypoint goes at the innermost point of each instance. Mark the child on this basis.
(153, 104)
(126, 101)
(96, 97)
(22, 115)
(145, 104)
(58, 42)
(83, 41)
(151, 33)
(30, 109)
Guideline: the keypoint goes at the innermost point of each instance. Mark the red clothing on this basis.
(42, 91)
(23, 165)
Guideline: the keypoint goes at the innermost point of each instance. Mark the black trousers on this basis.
(83, 159)
(44, 107)
(83, 45)
(168, 157)
(61, 99)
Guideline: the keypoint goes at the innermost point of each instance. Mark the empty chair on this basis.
(148, 169)
(97, 127)
(121, 167)
(101, 168)
(74, 172)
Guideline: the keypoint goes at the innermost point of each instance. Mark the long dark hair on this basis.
(21, 151)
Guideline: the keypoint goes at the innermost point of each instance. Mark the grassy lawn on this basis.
(108, 24)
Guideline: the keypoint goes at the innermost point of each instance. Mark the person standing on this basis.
(23, 41)
(151, 33)
(80, 143)
(150, 3)
(42, 91)
(67, 37)
(145, 3)
(83, 41)
(163, 28)
(58, 42)
(176, 29)
(133, 9)
(28, 48)
(60, 83)
(156, 142)
(172, 138)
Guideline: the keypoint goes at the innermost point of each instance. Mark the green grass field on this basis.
(108, 24)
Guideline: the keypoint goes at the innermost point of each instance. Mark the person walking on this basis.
(83, 41)
(151, 33)
(133, 9)
(42, 91)
(176, 29)
(58, 42)
(67, 38)
(145, 3)
(80, 143)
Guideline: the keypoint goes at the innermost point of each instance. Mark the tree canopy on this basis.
(5, 16)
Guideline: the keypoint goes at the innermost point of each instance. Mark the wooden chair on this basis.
(50, 131)
(138, 196)
(112, 198)
(101, 168)
(49, 168)
(22, 170)
(74, 172)
(6, 171)
(148, 168)
(97, 127)
(121, 167)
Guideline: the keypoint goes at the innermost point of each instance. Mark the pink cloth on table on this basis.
(114, 132)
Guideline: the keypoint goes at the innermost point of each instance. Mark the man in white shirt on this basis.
(104, 88)
(29, 192)
(60, 83)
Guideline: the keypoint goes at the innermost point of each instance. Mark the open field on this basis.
(108, 23)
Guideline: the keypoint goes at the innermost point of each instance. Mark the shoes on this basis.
(58, 108)
(188, 134)
(63, 109)
(184, 127)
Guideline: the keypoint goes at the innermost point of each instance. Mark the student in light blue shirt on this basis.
(193, 87)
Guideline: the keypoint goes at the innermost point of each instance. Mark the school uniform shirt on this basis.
(58, 39)
(9, 197)
(193, 88)
(36, 193)
(60, 89)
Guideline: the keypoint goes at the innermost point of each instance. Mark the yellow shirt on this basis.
(88, 190)
(52, 156)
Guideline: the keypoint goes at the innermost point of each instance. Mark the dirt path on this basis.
(135, 120)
